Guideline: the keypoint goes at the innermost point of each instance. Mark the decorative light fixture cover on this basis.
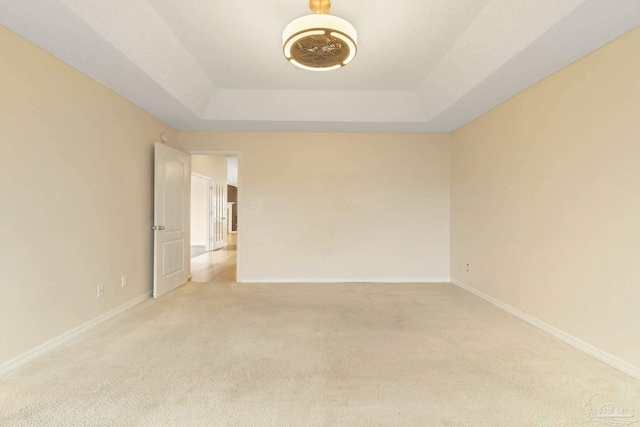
(319, 42)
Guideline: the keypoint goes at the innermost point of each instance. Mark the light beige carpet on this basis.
(313, 355)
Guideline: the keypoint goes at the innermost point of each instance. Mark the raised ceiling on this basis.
(422, 65)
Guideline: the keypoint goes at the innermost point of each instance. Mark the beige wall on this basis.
(545, 200)
(75, 197)
(376, 204)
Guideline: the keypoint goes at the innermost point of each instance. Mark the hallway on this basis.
(216, 266)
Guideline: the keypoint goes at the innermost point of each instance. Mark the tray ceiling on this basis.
(422, 65)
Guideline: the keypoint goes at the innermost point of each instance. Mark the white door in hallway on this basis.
(171, 219)
(219, 220)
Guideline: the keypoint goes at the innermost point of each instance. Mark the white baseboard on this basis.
(67, 336)
(353, 280)
(603, 356)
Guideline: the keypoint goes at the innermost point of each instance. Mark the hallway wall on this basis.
(199, 211)
(214, 167)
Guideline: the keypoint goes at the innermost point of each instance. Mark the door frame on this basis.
(240, 241)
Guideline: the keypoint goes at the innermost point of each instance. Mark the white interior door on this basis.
(171, 219)
(219, 210)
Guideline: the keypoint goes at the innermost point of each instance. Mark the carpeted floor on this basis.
(313, 355)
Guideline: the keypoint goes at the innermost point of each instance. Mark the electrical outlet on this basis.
(123, 282)
(328, 261)
(100, 290)
(467, 267)
(253, 204)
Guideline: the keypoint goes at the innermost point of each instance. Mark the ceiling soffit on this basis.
(422, 66)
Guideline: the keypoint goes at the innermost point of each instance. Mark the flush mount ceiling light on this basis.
(319, 42)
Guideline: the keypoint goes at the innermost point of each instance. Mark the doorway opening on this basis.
(214, 226)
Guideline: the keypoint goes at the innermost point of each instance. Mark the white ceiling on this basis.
(422, 65)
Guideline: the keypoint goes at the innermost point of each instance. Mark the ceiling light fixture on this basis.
(319, 42)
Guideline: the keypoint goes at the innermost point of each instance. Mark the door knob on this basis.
(161, 228)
